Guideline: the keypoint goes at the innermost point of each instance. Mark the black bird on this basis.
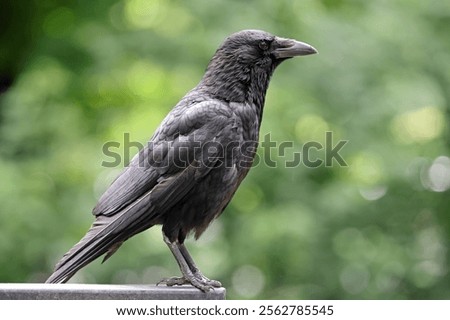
(190, 169)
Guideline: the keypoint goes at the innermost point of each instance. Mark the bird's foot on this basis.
(198, 280)
(212, 283)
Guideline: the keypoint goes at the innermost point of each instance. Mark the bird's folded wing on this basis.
(176, 146)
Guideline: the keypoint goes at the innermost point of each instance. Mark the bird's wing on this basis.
(141, 194)
(176, 144)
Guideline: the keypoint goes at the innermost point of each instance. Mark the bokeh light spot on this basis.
(389, 276)
(373, 193)
(143, 14)
(418, 126)
(248, 281)
(146, 80)
(355, 278)
(437, 176)
(366, 169)
(311, 127)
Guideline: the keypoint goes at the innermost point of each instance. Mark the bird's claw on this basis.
(198, 281)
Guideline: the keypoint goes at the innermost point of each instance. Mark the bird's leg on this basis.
(195, 270)
(188, 276)
(181, 263)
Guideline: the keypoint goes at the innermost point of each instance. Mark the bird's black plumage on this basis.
(195, 161)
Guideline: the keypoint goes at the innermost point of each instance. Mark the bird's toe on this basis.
(203, 283)
(215, 283)
(206, 281)
(173, 281)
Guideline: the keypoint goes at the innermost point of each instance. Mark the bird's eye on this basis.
(263, 45)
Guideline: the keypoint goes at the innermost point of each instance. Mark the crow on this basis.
(190, 169)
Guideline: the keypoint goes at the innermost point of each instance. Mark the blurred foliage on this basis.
(76, 74)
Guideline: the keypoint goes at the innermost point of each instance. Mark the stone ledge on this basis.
(39, 291)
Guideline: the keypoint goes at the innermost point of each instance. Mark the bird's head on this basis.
(245, 61)
(260, 48)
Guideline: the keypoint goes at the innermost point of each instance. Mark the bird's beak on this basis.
(288, 48)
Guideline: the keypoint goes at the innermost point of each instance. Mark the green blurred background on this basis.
(76, 74)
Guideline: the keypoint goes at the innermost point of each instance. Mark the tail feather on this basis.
(105, 236)
(109, 232)
(91, 246)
